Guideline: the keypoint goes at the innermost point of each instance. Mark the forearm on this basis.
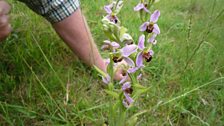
(75, 33)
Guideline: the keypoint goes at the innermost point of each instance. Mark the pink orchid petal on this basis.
(156, 29)
(139, 60)
(128, 50)
(146, 10)
(115, 45)
(125, 78)
(126, 86)
(139, 7)
(151, 52)
(108, 9)
(155, 16)
(143, 27)
(132, 70)
(106, 79)
(141, 42)
(129, 61)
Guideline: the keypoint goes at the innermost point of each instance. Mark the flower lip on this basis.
(146, 5)
(147, 55)
(149, 59)
(127, 89)
(117, 59)
(150, 28)
(112, 18)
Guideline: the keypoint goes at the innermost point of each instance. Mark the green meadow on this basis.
(43, 83)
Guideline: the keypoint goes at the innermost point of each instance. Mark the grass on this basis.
(37, 70)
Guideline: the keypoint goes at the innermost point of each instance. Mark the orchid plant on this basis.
(124, 53)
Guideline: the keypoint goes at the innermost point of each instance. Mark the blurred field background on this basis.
(186, 75)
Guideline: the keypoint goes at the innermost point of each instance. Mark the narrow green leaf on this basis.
(122, 31)
(138, 86)
(112, 93)
(100, 71)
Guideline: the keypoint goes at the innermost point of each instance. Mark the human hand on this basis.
(120, 72)
(5, 27)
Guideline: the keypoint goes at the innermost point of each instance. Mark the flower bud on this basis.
(127, 39)
(105, 20)
(118, 7)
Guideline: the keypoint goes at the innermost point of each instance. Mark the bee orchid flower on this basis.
(112, 10)
(126, 88)
(128, 101)
(151, 26)
(108, 45)
(145, 53)
(141, 6)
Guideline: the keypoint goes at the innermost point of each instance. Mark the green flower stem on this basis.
(111, 68)
(149, 47)
(116, 34)
(111, 86)
(133, 78)
(150, 4)
(142, 16)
